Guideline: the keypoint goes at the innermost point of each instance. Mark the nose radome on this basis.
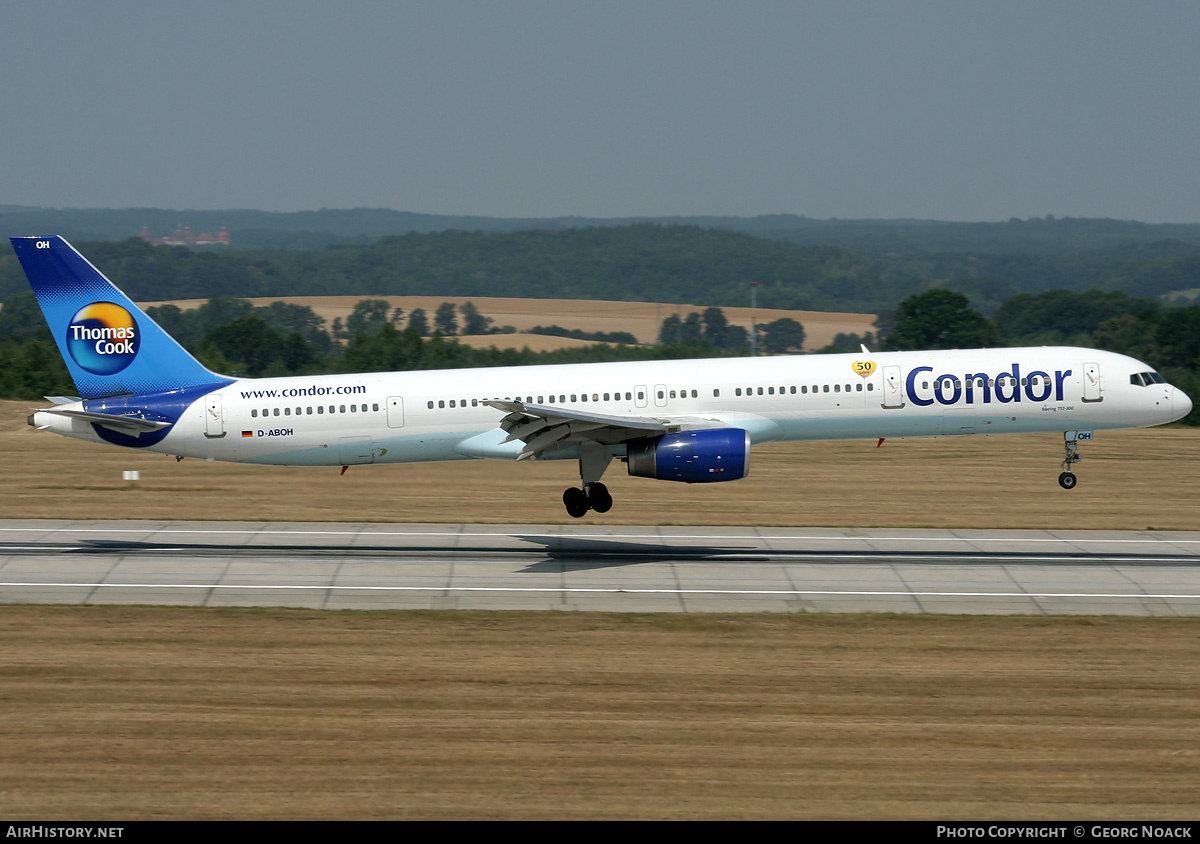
(1181, 405)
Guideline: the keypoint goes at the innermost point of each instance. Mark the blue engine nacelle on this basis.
(693, 457)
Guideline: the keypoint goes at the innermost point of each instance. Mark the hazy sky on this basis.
(953, 110)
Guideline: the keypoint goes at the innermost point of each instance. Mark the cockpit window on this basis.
(1145, 379)
(1155, 377)
(1136, 380)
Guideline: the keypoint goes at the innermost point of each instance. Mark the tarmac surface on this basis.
(600, 567)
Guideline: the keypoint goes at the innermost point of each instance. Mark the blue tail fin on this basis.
(110, 347)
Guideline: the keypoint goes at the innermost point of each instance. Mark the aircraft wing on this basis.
(134, 425)
(546, 429)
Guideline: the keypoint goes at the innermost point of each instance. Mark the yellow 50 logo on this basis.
(864, 367)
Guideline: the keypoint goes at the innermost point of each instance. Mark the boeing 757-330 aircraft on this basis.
(684, 420)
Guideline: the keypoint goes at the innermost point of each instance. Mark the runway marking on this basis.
(612, 590)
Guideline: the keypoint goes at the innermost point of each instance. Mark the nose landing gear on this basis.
(1067, 479)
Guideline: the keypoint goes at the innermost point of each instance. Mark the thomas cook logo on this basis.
(103, 338)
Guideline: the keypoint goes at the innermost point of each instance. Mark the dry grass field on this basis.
(1138, 480)
(641, 319)
(125, 713)
(133, 713)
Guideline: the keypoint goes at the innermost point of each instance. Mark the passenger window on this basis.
(858, 388)
(374, 407)
(254, 413)
(837, 388)
(793, 390)
(804, 388)
(716, 393)
(354, 407)
(276, 411)
(760, 391)
(629, 397)
(606, 395)
(870, 387)
(771, 390)
(672, 394)
(737, 391)
(641, 396)
(826, 388)
(321, 408)
(308, 411)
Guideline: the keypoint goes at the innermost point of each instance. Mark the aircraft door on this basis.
(1092, 388)
(893, 387)
(395, 411)
(639, 397)
(214, 417)
(660, 395)
(356, 450)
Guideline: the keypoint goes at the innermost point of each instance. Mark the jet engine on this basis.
(692, 457)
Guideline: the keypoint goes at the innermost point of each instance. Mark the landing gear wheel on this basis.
(576, 503)
(598, 497)
(1067, 480)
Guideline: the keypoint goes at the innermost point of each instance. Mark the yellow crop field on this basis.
(641, 319)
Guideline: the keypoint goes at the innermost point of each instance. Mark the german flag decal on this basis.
(247, 433)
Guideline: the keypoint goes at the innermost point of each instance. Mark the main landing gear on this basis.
(593, 496)
(1067, 479)
(593, 460)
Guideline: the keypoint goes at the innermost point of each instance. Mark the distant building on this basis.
(184, 236)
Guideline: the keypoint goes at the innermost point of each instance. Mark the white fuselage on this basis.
(418, 416)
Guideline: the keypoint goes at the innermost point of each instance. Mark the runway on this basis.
(599, 567)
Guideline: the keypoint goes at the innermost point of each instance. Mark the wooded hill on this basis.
(324, 227)
(640, 262)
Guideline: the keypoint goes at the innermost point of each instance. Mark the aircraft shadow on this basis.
(579, 554)
(566, 553)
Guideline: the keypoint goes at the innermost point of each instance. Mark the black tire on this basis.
(575, 502)
(599, 498)
(1067, 480)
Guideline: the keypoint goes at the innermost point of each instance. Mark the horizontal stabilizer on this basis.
(125, 424)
